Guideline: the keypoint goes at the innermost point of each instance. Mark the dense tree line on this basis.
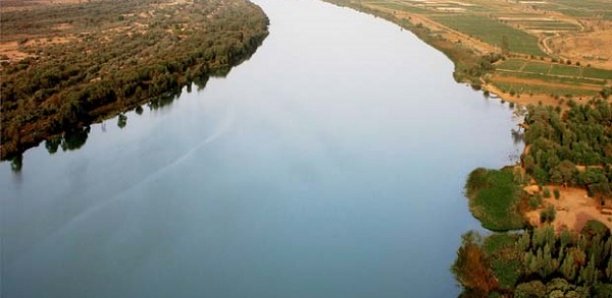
(119, 55)
(537, 263)
(572, 147)
(563, 147)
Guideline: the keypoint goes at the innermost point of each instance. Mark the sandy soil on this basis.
(573, 209)
(524, 99)
(536, 98)
(11, 50)
(590, 47)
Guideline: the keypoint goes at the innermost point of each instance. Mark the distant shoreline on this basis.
(468, 54)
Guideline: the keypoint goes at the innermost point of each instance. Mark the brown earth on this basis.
(526, 81)
(573, 209)
(590, 47)
(524, 99)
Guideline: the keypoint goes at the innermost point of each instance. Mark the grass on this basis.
(507, 271)
(401, 7)
(542, 89)
(573, 78)
(569, 82)
(548, 25)
(498, 241)
(558, 69)
(597, 73)
(492, 32)
(511, 64)
(494, 197)
(536, 67)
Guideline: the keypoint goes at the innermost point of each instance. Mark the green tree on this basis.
(588, 273)
(568, 267)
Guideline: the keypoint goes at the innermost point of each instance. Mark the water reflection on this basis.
(17, 163)
(76, 138)
(331, 165)
(155, 103)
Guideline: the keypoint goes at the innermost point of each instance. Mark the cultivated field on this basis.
(542, 48)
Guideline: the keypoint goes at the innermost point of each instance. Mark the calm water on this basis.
(331, 164)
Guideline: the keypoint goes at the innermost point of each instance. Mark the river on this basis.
(330, 164)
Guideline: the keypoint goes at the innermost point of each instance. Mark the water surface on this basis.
(330, 164)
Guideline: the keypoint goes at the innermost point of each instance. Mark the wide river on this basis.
(331, 164)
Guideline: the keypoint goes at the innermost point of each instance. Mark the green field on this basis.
(400, 7)
(548, 25)
(563, 70)
(559, 73)
(492, 32)
(580, 8)
(514, 28)
(556, 79)
(597, 73)
(535, 89)
(536, 67)
(511, 64)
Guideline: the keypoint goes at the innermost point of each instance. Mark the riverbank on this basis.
(565, 150)
(508, 59)
(307, 168)
(68, 65)
(561, 193)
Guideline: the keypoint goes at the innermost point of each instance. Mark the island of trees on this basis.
(68, 64)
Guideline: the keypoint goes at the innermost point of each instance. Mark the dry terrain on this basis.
(573, 209)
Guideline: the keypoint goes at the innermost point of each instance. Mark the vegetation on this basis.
(556, 79)
(572, 147)
(516, 47)
(569, 148)
(494, 198)
(88, 61)
(537, 263)
(492, 32)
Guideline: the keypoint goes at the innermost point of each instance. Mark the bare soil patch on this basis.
(573, 209)
(592, 47)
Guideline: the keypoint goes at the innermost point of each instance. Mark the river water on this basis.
(331, 164)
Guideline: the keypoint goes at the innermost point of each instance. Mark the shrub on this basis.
(548, 214)
(494, 197)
